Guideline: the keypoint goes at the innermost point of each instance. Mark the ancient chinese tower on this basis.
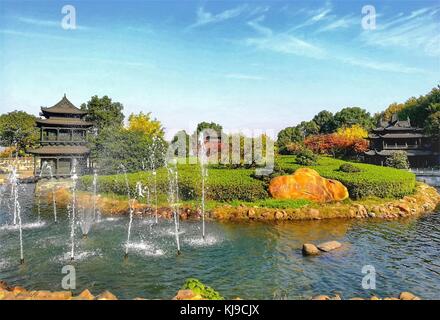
(397, 135)
(63, 133)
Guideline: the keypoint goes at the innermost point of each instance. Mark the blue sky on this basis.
(254, 64)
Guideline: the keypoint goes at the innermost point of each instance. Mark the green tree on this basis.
(18, 128)
(433, 124)
(206, 125)
(287, 136)
(104, 112)
(325, 121)
(398, 160)
(116, 146)
(354, 115)
(308, 128)
(419, 109)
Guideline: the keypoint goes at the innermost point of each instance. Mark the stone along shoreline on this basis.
(425, 199)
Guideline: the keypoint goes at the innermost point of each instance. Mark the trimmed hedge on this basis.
(241, 184)
(371, 181)
(221, 184)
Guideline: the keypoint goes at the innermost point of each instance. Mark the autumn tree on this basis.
(145, 124)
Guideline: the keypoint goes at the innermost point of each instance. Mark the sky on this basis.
(247, 65)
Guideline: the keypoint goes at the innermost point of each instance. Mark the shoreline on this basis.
(19, 293)
(426, 199)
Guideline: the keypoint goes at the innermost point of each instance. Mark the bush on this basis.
(372, 181)
(306, 157)
(199, 288)
(398, 160)
(348, 167)
(221, 184)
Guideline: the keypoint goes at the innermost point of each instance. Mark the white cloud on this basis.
(46, 23)
(380, 66)
(418, 31)
(314, 16)
(341, 23)
(205, 17)
(286, 43)
(281, 42)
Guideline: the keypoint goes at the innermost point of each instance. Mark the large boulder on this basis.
(307, 184)
(329, 246)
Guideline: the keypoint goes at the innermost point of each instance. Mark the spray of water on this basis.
(96, 215)
(48, 167)
(154, 173)
(74, 178)
(203, 160)
(127, 245)
(173, 197)
(13, 180)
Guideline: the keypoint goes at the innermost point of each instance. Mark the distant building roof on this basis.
(60, 150)
(64, 106)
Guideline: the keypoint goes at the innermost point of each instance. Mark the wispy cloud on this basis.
(287, 43)
(380, 66)
(418, 31)
(46, 23)
(32, 34)
(281, 42)
(314, 16)
(205, 17)
(340, 23)
(240, 76)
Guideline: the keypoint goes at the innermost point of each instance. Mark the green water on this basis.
(248, 260)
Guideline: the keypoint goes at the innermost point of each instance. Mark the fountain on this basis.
(130, 206)
(74, 178)
(143, 192)
(173, 197)
(54, 201)
(154, 173)
(86, 220)
(13, 180)
(96, 217)
(203, 160)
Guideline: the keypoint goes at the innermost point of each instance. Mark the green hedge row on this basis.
(371, 181)
(221, 184)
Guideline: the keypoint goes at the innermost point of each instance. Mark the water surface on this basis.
(248, 260)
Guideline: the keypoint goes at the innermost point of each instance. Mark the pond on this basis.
(247, 260)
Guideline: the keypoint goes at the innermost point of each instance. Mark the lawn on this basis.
(239, 186)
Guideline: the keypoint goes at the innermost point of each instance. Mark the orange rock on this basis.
(107, 295)
(307, 184)
(86, 295)
(185, 295)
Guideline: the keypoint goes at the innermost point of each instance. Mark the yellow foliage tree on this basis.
(143, 123)
(353, 132)
(392, 109)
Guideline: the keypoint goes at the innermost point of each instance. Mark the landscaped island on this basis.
(237, 194)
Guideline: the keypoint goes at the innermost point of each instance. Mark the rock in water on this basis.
(307, 184)
(329, 246)
(310, 249)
